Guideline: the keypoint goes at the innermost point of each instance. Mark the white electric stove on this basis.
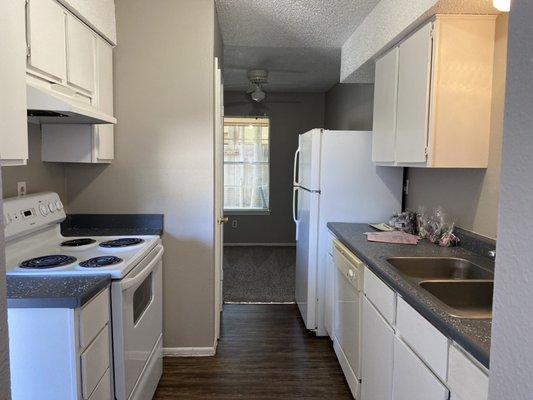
(35, 246)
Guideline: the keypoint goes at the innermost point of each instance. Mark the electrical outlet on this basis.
(21, 188)
(234, 223)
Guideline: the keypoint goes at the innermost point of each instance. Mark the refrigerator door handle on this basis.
(295, 171)
(294, 196)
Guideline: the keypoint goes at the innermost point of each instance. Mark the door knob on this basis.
(223, 220)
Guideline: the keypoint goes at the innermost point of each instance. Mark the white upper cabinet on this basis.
(104, 140)
(46, 39)
(13, 120)
(414, 75)
(80, 54)
(385, 101)
(434, 110)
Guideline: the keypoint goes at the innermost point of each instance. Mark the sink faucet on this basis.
(492, 253)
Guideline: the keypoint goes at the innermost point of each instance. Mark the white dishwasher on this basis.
(348, 292)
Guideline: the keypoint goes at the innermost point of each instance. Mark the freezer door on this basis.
(308, 174)
(306, 255)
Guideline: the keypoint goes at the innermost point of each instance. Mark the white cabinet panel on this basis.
(13, 120)
(412, 380)
(81, 54)
(95, 363)
(413, 96)
(385, 101)
(466, 380)
(377, 355)
(426, 340)
(46, 37)
(105, 134)
(328, 306)
(380, 295)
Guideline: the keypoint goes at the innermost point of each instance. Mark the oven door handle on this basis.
(129, 282)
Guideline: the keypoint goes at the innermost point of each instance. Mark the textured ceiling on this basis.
(298, 41)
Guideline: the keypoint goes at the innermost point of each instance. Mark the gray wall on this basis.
(39, 176)
(287, 122)
(4, 346)
(164, 151)
(350, 106)
(470, 196)
(512, 342)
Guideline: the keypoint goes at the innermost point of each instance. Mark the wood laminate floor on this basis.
(264, 353)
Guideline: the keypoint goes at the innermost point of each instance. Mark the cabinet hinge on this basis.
(426, 151)
(28, 50)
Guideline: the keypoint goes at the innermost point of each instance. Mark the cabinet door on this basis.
(412, 380)
(414, 78)
(385, 101)
(46, 38)
(105, 148)
(81, 54)
(13, 119)
(377, 355)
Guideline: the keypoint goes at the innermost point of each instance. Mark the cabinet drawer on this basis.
(93, 317)
(426, 340)
(331, 245)
(412, 380)
(103, 390)
(349, 265)
(467, 381)
(381, 296)
(95, 362)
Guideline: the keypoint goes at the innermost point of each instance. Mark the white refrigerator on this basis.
(334, 181)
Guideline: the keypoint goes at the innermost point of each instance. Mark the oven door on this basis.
(137, 321)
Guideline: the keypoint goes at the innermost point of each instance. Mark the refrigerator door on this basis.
(308, 174)
(353, 190)
(306, 255)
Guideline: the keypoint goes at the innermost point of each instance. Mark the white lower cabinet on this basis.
(69, 358)
(377, 355)
(412, 380)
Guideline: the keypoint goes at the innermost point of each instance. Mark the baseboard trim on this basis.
(259, 244)
(189, 351)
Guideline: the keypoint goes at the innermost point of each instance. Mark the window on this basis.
(246, 164)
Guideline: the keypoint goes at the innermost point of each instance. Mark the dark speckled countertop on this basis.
(38, 291)
(471, 334)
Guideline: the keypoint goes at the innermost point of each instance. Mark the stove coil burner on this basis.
(78, 242)
(45, 262)
(124, 242)
(103, 261)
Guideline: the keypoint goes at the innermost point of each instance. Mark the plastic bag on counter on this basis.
(436, 227)
(405, 222)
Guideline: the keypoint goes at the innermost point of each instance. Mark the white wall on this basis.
(39, 176)
(511, 367)
(164, 103)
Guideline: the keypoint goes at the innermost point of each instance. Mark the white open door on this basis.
(219, 194)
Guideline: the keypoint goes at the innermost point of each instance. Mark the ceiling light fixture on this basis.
(258, 95)
(502, 5)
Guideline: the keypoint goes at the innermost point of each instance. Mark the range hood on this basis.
(58, 104)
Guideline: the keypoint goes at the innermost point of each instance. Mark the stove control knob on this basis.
(43, 209)
(52, 207)
(59, 205)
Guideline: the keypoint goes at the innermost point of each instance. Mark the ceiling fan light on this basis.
(502, 5)
(258, 95)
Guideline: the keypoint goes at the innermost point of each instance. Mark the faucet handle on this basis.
(492, 253)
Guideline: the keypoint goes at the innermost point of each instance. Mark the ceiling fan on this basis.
(255, 94)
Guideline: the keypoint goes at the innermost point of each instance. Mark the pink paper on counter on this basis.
(397, 237)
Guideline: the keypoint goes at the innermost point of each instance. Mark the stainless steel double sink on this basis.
(463, 289)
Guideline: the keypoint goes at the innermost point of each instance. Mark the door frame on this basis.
(219, 193)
